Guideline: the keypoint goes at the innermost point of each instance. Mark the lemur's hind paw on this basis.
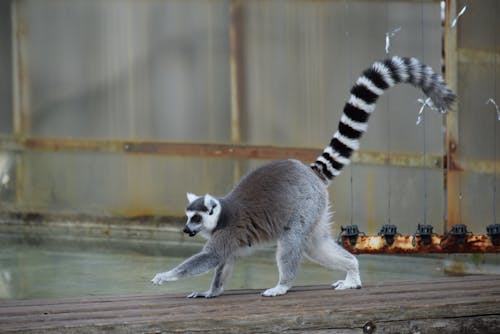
(344, 285)
(206, 294)
(278, 290)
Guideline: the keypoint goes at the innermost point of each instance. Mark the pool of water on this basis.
(33, 267)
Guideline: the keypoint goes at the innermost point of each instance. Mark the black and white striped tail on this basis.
(364, 94)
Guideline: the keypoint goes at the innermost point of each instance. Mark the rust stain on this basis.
(452, 184)
(107, 231)
(404, 245)
(452, 158)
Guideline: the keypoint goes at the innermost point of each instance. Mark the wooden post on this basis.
(237, 68)
(452, 170)
(22, 95)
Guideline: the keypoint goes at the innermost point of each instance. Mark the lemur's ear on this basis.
(191, 197)
(210, 203)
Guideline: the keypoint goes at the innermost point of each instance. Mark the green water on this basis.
(32, 268)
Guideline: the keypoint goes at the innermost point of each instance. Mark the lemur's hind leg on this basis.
(322, 249)
(288, 255)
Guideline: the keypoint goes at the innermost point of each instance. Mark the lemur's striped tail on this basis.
(364, 94)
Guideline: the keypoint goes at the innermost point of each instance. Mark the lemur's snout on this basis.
(187, 230)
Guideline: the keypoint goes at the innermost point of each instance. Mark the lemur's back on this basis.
(272, 194)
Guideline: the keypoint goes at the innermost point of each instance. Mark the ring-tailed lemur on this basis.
(287, 201)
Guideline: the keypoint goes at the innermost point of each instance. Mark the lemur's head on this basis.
(202, 214)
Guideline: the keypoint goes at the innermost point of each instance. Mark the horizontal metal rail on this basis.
(408, 244)
(241, 151)
(206, 150)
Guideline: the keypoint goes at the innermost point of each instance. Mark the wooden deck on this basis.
(446, 305)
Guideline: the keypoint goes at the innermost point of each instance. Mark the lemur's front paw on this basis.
(163, 277)
(158, 279)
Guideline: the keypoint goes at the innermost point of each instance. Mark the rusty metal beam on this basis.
(14, 144)
(405, 245)
(17, 144)
(154, 148)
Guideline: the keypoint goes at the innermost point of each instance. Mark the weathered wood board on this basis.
(468, 304)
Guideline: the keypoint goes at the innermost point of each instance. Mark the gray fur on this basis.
(197, 205)
(283, 201)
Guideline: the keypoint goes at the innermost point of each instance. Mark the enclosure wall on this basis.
(97, 96)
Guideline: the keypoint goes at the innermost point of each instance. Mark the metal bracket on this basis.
(388, 232)
(350, 231)
(458, 232)
(425, 232)
(493, 231)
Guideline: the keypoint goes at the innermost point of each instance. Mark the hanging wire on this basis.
(389, 168)
(460, 136)
(495, 123)
(349, 75)
(460, 175)
(424, 126)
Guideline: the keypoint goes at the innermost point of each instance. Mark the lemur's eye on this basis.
(196, 218)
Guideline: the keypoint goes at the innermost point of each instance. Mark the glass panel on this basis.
(479, 198)
(112, 184)
(479, 127)
(129, 69)
(302, 58)
(371, 196)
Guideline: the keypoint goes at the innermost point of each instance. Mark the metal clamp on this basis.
(493, 231)
(425, 232)
(458, 232)
(350, 231)
(388, 232)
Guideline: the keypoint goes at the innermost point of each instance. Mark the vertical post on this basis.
(238, 103)
(20, 74)
(21, 91)
(452, 171)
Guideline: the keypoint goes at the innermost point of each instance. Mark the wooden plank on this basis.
(480, 282)
(473, 302)
(385, 289)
